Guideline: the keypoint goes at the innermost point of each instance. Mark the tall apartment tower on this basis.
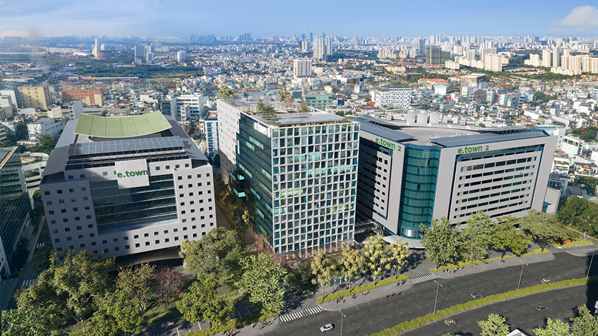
(321, 47)
(300, 174)
(302, 68)
(116, 186)
(556, 57)
(96, 49)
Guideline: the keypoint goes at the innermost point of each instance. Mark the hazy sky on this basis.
(162, 18)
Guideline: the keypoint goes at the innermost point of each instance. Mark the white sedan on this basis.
(326, 327)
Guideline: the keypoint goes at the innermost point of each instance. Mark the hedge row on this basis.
(442, 314)
(343, 293)
(466, 263)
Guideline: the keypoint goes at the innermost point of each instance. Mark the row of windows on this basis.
(497, 172)
(498, 179)
(501, 200)
(311, 243)
(135, 237)
(502, 206)
(498, 164)
(480, 197)
(127, 247)
(499, 186)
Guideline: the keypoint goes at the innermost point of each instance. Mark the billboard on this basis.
(131, 174)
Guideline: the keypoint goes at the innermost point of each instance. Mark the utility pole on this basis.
(590, 266)
(342, 319)
(436, 297)
(520, 276)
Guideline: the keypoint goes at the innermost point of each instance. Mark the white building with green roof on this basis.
(125, 185)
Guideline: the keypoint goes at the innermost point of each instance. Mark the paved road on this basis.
(520, 313)
(383, 313)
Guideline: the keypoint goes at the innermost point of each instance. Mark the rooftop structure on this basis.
(121, 126)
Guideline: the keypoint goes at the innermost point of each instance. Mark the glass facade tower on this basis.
(302, 175)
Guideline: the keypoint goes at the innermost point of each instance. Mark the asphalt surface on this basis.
(522, 314)
(383, 313)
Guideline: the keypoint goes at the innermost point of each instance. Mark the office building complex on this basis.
(300, 172)
(14, 207)
(124, 185)
(409, 175)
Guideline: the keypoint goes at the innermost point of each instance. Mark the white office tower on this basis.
(124, 185)
(96, 50)
(302, 68)
(181, 56)
(546, 58)
(149, 54)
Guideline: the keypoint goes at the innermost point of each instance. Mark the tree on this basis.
(477, 235)
(217, 254)
(136, 283)
(324, 268)
(99, 324)
(352, 262)
(126, 311)
(46, 144)
(584, 324)
(581, 214)
(507, 238)
(542, 228)
(80, 279)
(264, 281)
(377, 260)
(553, 328)
(225, 92)
(442, 242)
(168, 285)
(206, 300)
(494, 325)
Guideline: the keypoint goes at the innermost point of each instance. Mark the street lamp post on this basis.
(520, 276)
(342, 319)
(436, 296)
(590, 266)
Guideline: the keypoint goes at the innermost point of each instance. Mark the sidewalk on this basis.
(423, 276)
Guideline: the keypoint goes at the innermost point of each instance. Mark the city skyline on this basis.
(155, 18)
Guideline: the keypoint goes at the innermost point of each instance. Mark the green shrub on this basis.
(343, 293)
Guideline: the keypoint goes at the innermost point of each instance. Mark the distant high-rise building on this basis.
(556, 57)
(434, 55)
(96, 50)
(546, 58)
(321, 47)
(148, 54)
(138, 54)
(421, 47)
(302, 67)
(181, 56)
(187, 108)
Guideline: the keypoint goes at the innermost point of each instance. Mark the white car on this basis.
(326, 327)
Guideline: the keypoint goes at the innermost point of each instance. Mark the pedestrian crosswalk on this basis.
(27, 283)
(425, 277)
(313, 310)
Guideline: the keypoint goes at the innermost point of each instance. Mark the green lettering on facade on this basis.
(385, 143)
(473, 149)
